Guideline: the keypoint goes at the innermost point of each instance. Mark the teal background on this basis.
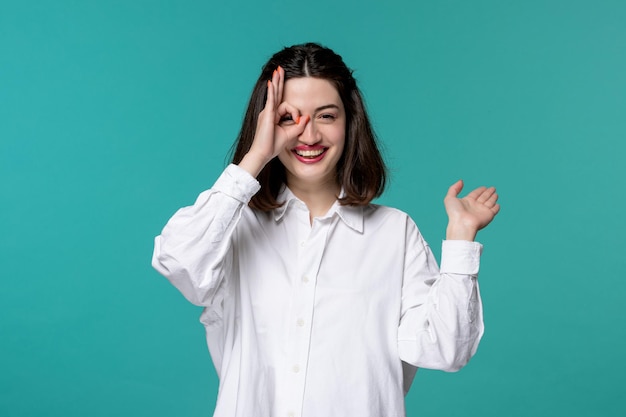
(115, 113)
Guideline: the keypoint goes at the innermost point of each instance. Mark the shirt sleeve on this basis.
(194, 249)
(442, 318)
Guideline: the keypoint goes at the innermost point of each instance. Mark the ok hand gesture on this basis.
(278, 127)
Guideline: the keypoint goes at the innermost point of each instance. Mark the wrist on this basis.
(253, 163)
(456, 231)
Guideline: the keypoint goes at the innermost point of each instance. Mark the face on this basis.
(312, 158)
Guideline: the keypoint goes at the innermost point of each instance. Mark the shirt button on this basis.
(305, 279)
(300, 322)
(291, 414)
(302, 243)
(295, 369)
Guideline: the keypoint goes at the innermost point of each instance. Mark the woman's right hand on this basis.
(278, 127)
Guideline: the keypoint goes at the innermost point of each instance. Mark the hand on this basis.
(278, 127)
(467, 215)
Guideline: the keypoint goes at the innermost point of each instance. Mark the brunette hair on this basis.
(361, 170)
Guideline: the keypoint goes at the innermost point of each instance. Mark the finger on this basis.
(455, 189)
(475, 194)
(285, 108)
(275, 83)
(491, 201)
(269, 102)
(297, 129)
(486, 194)
(281, 84)
(289, 134)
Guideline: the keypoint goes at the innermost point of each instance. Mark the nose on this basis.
(311, 135)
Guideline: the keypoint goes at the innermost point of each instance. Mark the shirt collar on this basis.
(286, 197)
(352, 216)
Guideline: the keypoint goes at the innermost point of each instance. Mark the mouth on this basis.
(309, 155)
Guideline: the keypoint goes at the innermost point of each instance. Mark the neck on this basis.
(318, 197)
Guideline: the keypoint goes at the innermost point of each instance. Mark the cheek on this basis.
(341, 141)
(341, 144)
(337, 135)
(283, 156)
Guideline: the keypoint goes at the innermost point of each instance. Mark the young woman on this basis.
(317, 302)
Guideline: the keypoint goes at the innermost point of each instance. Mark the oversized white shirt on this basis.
(324, 319)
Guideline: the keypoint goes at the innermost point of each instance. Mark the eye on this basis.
(286, 119)
(328, 117)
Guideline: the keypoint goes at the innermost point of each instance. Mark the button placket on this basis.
(310, 249)
(299, 338)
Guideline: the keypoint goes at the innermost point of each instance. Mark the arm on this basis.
(442, 317)
(194, 249)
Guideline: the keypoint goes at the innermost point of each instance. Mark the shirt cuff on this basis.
(460, 257)
(237, 183)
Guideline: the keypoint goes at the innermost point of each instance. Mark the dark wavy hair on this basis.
(361, 170)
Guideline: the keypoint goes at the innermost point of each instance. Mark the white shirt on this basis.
(321, 319)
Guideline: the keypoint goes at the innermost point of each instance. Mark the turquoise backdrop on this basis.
(115, 113)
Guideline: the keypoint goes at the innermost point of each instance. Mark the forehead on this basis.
(310, 92)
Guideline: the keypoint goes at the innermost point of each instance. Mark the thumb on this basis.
(293, 131)
(455, 189)
(300, 125)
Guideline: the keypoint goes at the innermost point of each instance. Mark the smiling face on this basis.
(312, 160)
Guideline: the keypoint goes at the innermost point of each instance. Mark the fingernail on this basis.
(274, 74)
(279, 67)
(269, 83)
(298, 120)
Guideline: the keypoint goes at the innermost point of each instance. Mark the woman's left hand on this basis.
(467, 215)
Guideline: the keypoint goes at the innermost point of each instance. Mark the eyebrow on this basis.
(327, 106)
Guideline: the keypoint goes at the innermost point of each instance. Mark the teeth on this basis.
(310, 153)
